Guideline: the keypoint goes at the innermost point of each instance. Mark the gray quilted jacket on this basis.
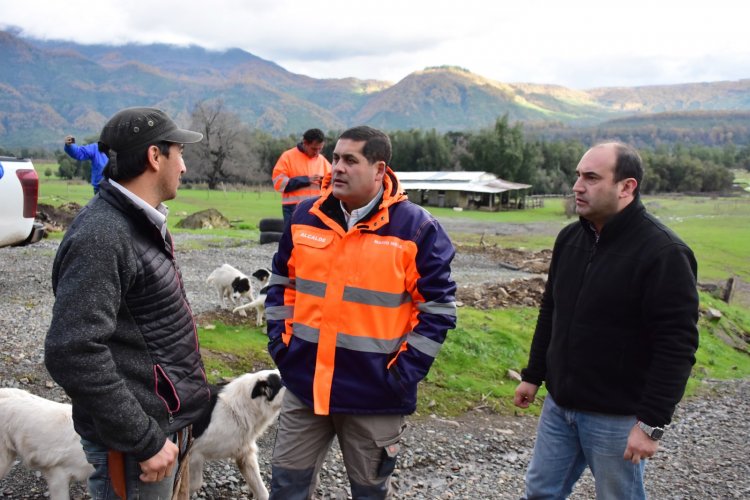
(123, 342)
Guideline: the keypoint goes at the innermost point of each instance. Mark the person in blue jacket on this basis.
(88, 152)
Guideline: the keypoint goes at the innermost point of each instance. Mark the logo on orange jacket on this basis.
(312, 237)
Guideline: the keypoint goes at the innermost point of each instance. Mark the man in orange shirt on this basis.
(299, 171)
(359, 304)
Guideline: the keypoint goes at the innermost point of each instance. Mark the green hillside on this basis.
(708, 128)
(51, 88)
(449, 98)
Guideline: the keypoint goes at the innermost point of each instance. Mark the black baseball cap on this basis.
(133, 128)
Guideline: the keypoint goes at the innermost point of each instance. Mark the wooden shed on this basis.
(465, 190)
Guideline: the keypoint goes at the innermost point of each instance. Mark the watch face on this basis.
(657, 433)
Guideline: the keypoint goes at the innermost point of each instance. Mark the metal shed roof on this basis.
(446, 176)
(474, 182)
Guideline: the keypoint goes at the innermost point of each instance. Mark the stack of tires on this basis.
(270, 230)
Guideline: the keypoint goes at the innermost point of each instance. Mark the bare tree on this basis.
(224, 154)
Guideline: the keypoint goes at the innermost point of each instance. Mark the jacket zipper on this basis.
(592, 254)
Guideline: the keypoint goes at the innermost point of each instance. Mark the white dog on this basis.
(240, 413)
(40, 432)
(230, 283)
(259, 302)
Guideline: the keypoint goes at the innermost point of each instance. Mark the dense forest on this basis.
(545, 158)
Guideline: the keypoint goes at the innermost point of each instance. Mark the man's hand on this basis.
(525, 394)
(160, 465)
(640, 446)
(316, 179)
(69, 139)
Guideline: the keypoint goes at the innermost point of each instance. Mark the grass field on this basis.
(472, 367)
(715, 228)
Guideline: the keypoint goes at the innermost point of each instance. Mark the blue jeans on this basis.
(569, 440)
(100, 486)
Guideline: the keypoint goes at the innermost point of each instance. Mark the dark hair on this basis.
(377, 144)
(314, 135)
(628, 164)
(125, 166)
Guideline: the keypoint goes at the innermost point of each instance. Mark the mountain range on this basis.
(51, 88)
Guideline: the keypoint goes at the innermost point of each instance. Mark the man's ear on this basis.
(628, 187)
(381, 170)
(152, 157)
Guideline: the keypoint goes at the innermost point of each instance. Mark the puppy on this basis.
(259, 302)
(239, 414)
(230, 283)
(40, 433)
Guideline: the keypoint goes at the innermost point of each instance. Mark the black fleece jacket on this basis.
(617, 328)
(122, 342)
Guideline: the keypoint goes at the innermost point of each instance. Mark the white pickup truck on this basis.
(19, 191)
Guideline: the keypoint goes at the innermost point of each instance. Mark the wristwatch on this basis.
(654, 433)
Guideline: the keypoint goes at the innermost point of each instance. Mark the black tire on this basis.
(272, 225)
(269, 237)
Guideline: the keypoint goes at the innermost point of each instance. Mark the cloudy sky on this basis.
(575, 43)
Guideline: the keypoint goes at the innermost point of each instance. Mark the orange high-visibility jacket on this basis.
(291, 175)
(356, 318)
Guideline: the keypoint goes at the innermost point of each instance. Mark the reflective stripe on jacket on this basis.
(356, 318)
(291, 175)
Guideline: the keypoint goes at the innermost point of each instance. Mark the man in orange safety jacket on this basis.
(358, 306)
(299, 171)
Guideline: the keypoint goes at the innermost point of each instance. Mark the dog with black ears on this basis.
(240, 412)
(259, 302)
(230, 283)
(40, 432)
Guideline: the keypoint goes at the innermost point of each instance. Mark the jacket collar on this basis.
(328, 207)
(618, 223)
(113, 196)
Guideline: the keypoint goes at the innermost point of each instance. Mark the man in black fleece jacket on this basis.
(123, 342)
(616, 335)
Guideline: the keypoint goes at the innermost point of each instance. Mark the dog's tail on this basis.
(258, 301)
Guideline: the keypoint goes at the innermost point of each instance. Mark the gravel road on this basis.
(477, 456)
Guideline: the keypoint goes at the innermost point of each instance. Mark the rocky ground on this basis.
(479, 455)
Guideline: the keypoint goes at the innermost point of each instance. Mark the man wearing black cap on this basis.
(122, 341)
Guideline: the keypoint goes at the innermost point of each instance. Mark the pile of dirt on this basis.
(521, 292)
(518, 292)
(205, 219)
(225, 316)
(57, 219)
(535, 262)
